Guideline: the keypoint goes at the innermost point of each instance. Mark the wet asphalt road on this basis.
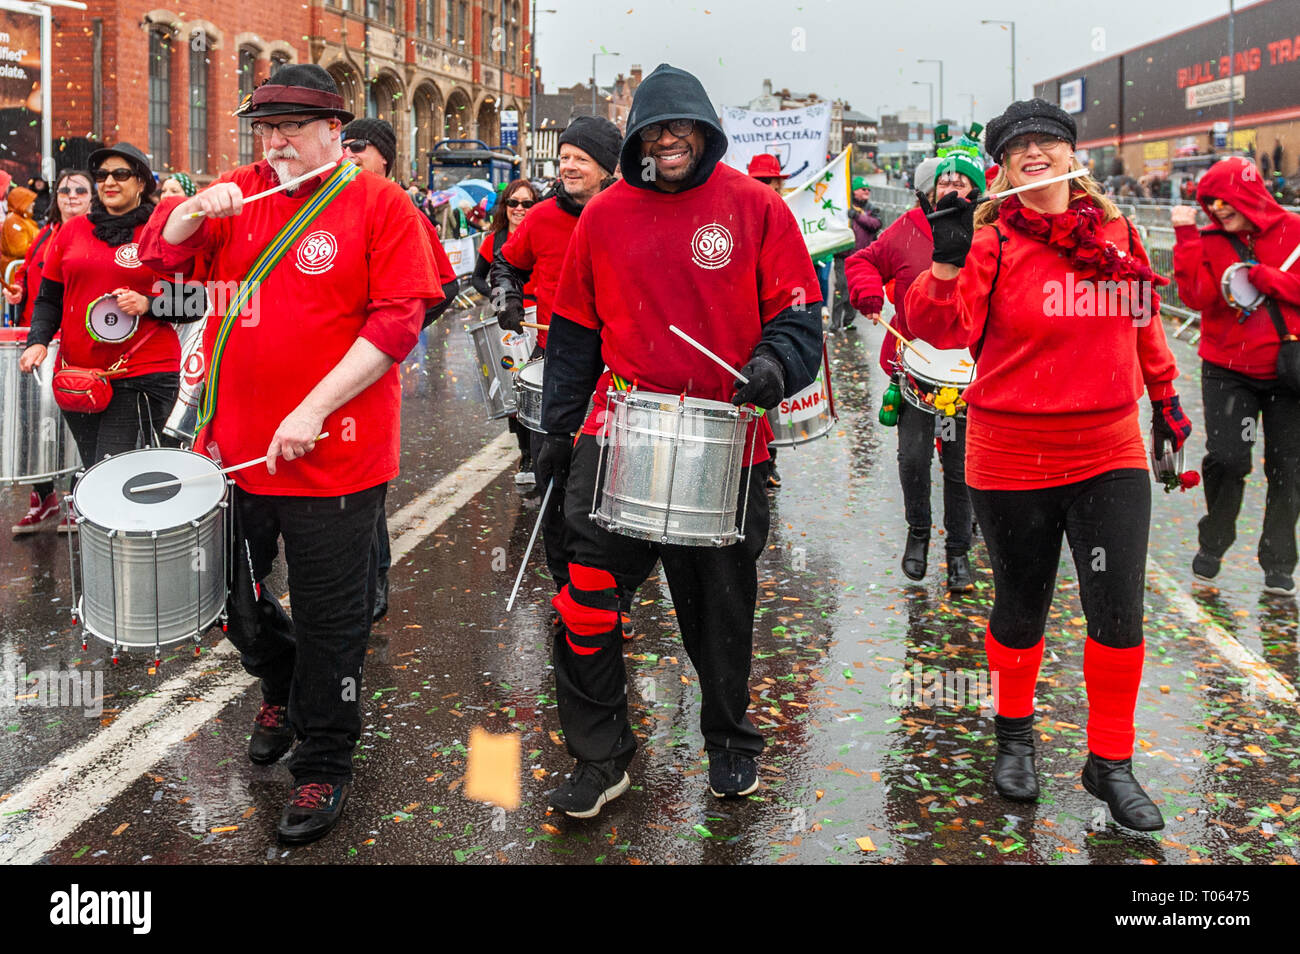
(856, 771)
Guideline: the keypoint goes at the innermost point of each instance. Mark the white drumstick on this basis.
(217, 473)
(523, 565)
(280, 188)
(1290, 259)
(36, 373)
(706, 352)
(1038, 185)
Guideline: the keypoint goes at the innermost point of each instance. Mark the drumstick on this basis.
(541, 515)
(1002, 195)
(706, 352)
(280, 188)
(1290, 259)
(225, 470)
(906, 344)
(533, 324)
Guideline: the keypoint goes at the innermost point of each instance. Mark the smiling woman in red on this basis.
(1054, 447)
(94, 268)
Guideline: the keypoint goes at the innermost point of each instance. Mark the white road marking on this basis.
(49, 805)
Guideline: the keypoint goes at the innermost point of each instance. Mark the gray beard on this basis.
(281, 168)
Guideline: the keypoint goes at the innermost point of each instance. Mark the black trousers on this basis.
(714, 591)
(916, 435)
(313, 663)
(1106, 520)
(555, 536)
(134, 418)
(1234, 404)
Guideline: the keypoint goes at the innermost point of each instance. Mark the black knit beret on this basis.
(1028, 116)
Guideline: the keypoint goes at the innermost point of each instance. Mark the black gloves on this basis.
(511, 316)
(552, 460)
(953, 232)
(766, 384)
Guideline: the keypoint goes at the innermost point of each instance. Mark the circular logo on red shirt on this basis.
(316, 253)
(711, 246)
(128, 255)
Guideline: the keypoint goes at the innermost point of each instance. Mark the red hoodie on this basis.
(1246, 344)
(901, 253)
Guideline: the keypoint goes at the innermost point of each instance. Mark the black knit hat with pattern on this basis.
(1028, 116)
(379, 133)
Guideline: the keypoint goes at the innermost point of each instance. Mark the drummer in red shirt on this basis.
(681, 239)
(319, 354)
(1054, 444)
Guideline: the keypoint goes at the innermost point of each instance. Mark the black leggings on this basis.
(1106, 520)
(134, 418)
(916, 435)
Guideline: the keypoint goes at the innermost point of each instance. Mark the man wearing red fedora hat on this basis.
(766, 168)
(343, 274)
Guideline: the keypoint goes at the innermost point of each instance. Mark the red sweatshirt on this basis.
(902, 252)
(28, 274)
(1054, 400)
(1246, 344)
(538, 245)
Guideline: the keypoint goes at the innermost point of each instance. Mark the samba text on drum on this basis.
(52, 688)
(942, 689)
(178, 298)
(1086, 298)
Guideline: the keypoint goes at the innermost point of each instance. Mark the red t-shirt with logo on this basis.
(88, 268)
(718, 261)
(538, 245)
(361, 270)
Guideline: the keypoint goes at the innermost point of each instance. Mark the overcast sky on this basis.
(863, 51)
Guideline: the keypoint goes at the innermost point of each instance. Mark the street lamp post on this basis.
(532, 92)
(1012, 24)
(940, 62)
(1231, 66)
(593, 77)
(929, 83)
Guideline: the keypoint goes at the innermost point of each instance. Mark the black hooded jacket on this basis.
(573, 354)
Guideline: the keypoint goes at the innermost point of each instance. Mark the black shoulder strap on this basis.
(988, 308)
(1243, 253)
(1130, 233)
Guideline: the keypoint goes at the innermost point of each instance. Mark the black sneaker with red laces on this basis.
(313, 809)
(272, 735)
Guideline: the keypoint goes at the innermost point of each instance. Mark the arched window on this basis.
(160, 97)
(247, 63)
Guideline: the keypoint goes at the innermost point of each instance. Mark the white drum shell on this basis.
(1237, 290)
(183, 421)
(35, 442)
(932, 370)
(807, 415)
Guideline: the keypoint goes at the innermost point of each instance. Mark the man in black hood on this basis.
(680, 239)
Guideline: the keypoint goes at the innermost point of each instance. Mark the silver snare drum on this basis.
(500, 354)
(154, 565)
(35, 443)
(183, 421)
(528, 393)
(808, 415)
(671, 468)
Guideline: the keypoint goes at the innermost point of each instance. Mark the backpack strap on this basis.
(988, 312)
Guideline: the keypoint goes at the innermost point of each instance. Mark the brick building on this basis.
(167, 78)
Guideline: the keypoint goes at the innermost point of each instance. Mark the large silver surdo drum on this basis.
(671, 468)
(154, 565)
(500, 354)
(35, 443)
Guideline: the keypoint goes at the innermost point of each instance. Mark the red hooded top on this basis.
(1243, 343)
(901, 253)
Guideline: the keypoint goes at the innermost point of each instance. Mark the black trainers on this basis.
(1112, 781)
(313, 809)
(272, 735)
(589, 786)
(731, 774)
(1279, 584)
(915, 553)
(959, 575)
(1205, 566)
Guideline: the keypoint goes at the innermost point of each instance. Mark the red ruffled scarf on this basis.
(1077, 233)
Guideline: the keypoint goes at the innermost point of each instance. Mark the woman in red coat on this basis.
(1239, 363)
(1052, 292)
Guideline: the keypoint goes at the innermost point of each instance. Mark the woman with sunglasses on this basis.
(93, 266)
(72, 199)
(1053, 439)
(900, 254)
(517, 198)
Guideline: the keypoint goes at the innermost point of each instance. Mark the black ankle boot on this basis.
(959, 575)
(1013, 770)
(915, 553)
(1112, 781)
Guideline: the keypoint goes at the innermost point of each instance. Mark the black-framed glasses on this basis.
(1043, 141)
(520, 203)
(119, 175)
(288, 128)
(73, 190)
(678, 127)
(357, 146)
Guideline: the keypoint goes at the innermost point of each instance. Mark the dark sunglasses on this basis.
(516, 203)
(119, 175)
(73, 190)
(678, 127)
(357, 146)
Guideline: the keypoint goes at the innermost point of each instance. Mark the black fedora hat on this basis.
(124, 150)
(296, 88)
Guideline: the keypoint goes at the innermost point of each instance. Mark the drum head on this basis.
(103, 496)
(952, 368)
(1237, 289)
(531, 373)
(106, 322)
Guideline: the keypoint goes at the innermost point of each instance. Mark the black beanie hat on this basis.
(379, 133)
(1028, 116)
(597, 137)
